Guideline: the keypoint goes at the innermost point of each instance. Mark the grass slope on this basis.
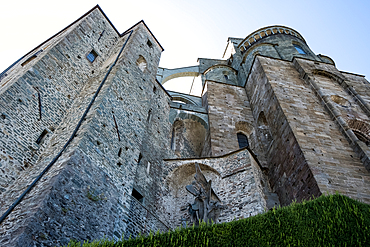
(333, 220)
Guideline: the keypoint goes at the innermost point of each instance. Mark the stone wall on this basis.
(128, 120)
(142, 221)
(37, 96)
(270, 90)
(307, 155)
(228, 106)
(236, 179)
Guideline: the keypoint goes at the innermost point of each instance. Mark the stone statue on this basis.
(207, 206)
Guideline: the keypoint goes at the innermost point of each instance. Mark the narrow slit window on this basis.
(299, 49)
(140, 157)
(242, 140)
(28, 60)
(92, 56)
(41, 137)
(137, 195)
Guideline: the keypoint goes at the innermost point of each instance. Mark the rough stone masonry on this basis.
(275, 123)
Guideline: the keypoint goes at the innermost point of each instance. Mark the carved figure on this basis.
(207, 206)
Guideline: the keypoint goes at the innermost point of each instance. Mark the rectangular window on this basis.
(137, 195)
(92, 56)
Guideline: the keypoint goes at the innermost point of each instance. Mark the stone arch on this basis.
(164, 75)
(335, 77)
(255, 47)
(183, 99)
(361, 129)
(229, 68)
(221, 73)
(141, 63)
(184, 175)
(182, 115)
(244, 127)
(264, 32)
(188, 135)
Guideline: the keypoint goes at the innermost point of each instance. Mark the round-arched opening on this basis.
(141, 63)
(184, 175)
(187, 85)
(242, 140)
(188, 136)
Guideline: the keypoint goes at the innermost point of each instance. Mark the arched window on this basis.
(242, 140)
(141, 62)
(299, 49)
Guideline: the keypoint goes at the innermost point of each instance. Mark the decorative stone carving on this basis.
(207, 206)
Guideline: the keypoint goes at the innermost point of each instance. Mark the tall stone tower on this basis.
(92, 145)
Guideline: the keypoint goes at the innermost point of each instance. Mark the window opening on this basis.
(31, 58)
(137, 195)
(140, 157)
(28, 60)
(141, 63)
(242, 140)
(149, 44)
(42, 136)
(226, 77)
(92, 56)
(299, 49)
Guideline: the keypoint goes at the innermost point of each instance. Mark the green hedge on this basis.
(333, 220)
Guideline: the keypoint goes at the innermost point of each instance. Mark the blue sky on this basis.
(191, 29)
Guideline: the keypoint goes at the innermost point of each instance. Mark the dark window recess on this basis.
(92, 56)
(119, 164)
(226, 77)
(31, 58)
(149, 44)
(137, 195)
(28, 60)
(140, 157)
(42, 136)
(154, 89)
(299, 49)
(242, 140)
(119, 152)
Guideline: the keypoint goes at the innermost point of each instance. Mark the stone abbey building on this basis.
(85, 115)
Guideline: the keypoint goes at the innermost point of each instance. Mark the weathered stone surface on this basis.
(125, 170)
